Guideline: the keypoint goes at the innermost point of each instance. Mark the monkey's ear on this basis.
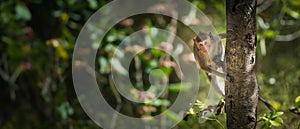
(194, 39)
(210, 35)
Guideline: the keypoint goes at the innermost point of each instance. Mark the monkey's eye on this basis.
(205, 43)
(210, 35)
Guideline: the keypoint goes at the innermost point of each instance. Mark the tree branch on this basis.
(288, 37)
(242, 91)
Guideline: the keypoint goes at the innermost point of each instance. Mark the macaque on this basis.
(209, 54)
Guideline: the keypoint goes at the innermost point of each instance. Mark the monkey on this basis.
(209, 54)
(207, 47)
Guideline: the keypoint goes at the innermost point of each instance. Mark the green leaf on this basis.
(277, 122)
(179, 86)
(294, 2)
(297, 99)
(277, 114)
(103, 63)
(152, 63)
(292, 13)
(65, 109)
(93, 4)
(7, 40)
(191, 111)
(160, 102)
(173, 116)
(22, 12)
(166, 70)
(112, 38)
(200, 4)
(269, 33)
(156, 52)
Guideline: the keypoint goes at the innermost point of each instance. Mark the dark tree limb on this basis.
(269, 106)
(242, 91)
(294, 110)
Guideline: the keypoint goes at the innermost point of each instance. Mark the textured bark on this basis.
(242, 90)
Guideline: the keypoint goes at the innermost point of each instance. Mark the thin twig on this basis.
(288, 37)
(266, 4)
(119, 102)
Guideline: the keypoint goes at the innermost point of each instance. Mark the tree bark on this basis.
(242, 89)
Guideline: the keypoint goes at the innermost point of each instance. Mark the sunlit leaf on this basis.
(272, 119)
(166, 70)
(179, 86)
(161, 102)
(292, 13)
(156, 52)
(103, 64)
(275, 104)
(64, 17)
(153, 63)
(277, 122)
(297, 99)
(294, 2)
(62, 52)
(277, 114)
(269, 33)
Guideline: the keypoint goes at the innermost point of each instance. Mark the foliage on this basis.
(297, 99)
(271, 119)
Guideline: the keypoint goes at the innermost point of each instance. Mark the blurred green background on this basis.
(38, 36)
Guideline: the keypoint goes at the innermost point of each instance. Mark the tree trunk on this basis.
(242, 90)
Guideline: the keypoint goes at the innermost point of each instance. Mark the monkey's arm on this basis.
(222, 36)
(209, 70)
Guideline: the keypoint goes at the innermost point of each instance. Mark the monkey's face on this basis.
(203, 46)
